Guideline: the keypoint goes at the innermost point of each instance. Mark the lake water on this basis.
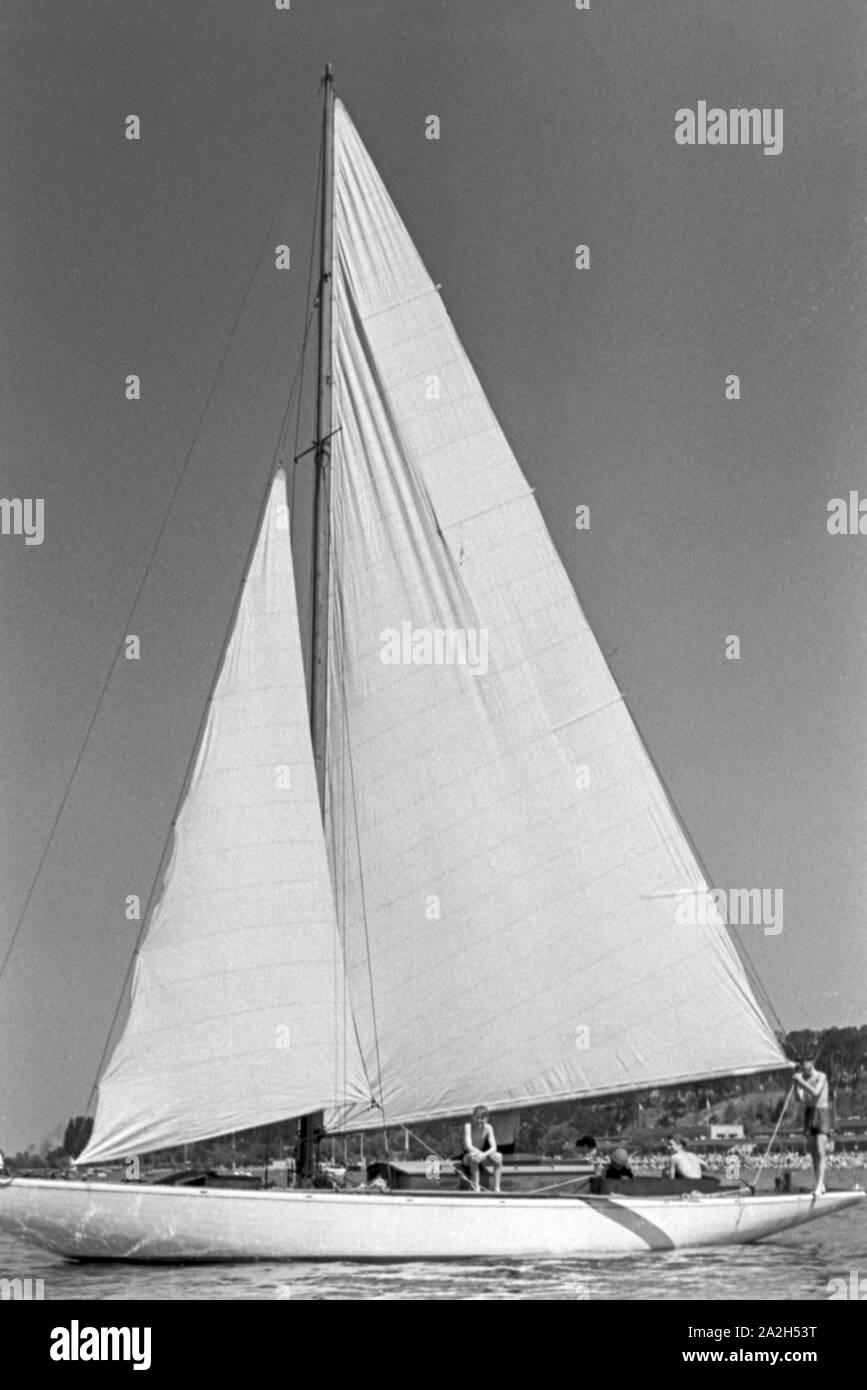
(795, 1266)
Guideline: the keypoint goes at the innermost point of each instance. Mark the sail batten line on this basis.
(497, 507)
(619, 698)
(701, 891)
(399, 304)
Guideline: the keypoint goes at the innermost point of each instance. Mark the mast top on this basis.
(329, 73)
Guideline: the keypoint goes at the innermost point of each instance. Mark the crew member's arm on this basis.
(492, 1138)
(809, 1086)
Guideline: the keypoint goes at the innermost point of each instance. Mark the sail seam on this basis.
(398, 304)
(585, 714)
(464, 520)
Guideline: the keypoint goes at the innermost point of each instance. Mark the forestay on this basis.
(504, 858)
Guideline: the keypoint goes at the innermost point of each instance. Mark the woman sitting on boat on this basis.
(480, 1148)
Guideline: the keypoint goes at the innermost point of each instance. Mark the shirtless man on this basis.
(480, 1148)
(683, 1163)
(812, 1087)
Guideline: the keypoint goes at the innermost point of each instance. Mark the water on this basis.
(794, 1266)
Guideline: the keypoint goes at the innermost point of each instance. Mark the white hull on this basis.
(115, 1221)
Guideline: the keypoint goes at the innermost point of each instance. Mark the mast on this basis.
(322, 495)
(321, 522)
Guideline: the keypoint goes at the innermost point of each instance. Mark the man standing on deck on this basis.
(812, 1087)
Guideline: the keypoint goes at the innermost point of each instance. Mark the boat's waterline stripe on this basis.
(631, 1220)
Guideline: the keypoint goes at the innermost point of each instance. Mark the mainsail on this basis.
(238, 998)
(505, 861)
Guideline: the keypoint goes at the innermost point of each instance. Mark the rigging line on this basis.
(145, 918)
(284, 422)
(139, 591)
(308, 310)
(755, 1183)
(339, 646)
(330, 803)
(348, 1014)
(340, 913)
(424, 1144)
(581, 1179)
(339, 1021)
(340, 879)
(306, 627)
(347, 1007)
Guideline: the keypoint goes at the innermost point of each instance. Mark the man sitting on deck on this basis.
(480, 1148)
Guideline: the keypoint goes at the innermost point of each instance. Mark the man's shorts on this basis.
(817, 1119)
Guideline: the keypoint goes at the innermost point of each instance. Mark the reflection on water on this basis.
(795, 1266)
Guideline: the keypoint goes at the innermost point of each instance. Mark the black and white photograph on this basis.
(433, 662)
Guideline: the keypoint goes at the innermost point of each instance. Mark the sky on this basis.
(708, 516)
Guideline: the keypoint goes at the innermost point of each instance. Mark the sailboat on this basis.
(438, 869)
